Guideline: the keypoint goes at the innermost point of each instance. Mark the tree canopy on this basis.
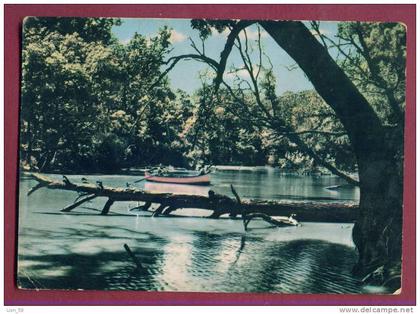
(91, 103)
(87, 99)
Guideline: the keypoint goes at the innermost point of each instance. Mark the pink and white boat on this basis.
(179, 177)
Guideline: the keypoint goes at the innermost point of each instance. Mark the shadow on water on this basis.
(110, 214)
(84, 250)
(104, 270)
(299, 266)
(210, 262)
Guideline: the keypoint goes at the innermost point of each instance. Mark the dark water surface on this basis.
(82, 250)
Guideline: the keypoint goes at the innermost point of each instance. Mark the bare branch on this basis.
(79, 202)
(249, 67)
(315, 26)
(269, 61)
(227, 50)
(36, 187)
(174, 60)
(194, 46)
(259, 52)
(346, 54)
(304, 148)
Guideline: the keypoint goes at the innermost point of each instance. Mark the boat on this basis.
(178, 177)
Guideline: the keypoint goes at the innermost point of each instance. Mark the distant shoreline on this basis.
(222, 168)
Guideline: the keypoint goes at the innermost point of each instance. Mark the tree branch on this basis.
(320, 161)
(334, 87)
(227, 49)
(315, 26)
(249, 67)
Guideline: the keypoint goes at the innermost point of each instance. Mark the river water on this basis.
(83, 250)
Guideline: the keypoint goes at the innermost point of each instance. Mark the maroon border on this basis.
(13, 17)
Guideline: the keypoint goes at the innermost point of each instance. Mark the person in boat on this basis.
(205, 170)
(161, 171)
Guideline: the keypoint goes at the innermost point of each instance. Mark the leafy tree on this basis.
(90, 103)
(81, 88)
(374, 58)
(377, 233)
(56, 98)
(89, 29)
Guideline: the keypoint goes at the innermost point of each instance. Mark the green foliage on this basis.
(216, 133)
(375, 61)
(84, 93)
(109, 152)
(316, 124)
(90, 103)
(206, 27)
(90, 29)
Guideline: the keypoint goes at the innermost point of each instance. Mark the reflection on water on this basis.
(83, 250)
(266, 185)
(249, 184)
(197, 261)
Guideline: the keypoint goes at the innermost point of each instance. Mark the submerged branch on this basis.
(284, 222)
(78, 203)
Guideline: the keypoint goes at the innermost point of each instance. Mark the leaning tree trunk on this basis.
(377, 233)
(378, 230)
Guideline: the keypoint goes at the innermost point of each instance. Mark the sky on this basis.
(185, 75)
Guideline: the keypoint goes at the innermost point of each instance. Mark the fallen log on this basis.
(219, 204)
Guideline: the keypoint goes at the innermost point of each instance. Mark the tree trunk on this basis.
(219, 204)
(377, 233)
(28, 155)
